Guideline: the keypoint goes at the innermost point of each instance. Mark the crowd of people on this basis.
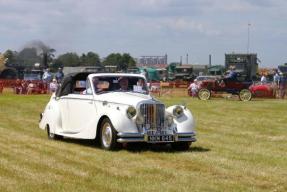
(279, 84)
(48, 84)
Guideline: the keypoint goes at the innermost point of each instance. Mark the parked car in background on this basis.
(267, 90)
(233, 86)
(115, 108)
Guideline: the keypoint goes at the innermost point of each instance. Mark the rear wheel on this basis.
(245, 95)
(108, 135)
(204, 94)
(51, 135)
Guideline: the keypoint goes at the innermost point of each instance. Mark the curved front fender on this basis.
(117, 114)
(184, 123)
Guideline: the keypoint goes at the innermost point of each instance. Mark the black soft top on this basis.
(68, 83)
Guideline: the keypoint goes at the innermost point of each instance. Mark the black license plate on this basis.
(159, 138)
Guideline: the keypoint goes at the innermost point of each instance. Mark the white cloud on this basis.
(125, 24)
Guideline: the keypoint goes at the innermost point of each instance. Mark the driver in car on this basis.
(124, 83)
(232, 75)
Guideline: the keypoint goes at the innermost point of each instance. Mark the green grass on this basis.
(242, 146)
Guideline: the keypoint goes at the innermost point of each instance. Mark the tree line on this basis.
(29, 56)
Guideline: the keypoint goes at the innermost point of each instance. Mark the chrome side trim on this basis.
(127, 140)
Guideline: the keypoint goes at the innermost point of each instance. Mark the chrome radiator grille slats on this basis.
(153, 115)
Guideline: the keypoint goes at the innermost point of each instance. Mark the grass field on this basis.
(242, 146)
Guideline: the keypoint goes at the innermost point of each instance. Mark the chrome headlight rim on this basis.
(178, 111)
(131, 112)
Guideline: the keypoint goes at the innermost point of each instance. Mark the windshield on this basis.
(104, 84)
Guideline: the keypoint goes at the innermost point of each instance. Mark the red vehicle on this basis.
(263, 90)
(225, 85)
(1, 86)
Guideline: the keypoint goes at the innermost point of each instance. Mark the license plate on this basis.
(159, 138)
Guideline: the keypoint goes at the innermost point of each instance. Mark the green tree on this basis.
(112, 59)
(11, 57)
(67, 60)
(121, 61)
(28, 57)
(90, 59)
(127, 61)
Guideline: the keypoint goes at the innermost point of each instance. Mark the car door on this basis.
(82, 112)
(63, 105)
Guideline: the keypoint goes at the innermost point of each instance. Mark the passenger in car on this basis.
(88, 89)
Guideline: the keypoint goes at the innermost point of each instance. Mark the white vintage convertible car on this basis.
(115, 108)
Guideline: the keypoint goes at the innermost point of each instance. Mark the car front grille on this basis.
(153, 116)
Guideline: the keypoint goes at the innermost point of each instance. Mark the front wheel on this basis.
(245, 95)
(180, 146)
(108, 135)
(204, 94)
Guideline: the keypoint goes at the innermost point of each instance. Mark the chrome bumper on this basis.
(140, 137)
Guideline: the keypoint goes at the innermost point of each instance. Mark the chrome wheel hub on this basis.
(107, 135)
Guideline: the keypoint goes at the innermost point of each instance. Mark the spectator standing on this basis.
(276, 80)
(59, 75)
(53, 86)
(47, 76)
(193, 87)
(263, 79)
(283, 86)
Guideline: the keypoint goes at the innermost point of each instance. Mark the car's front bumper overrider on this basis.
(141, 137)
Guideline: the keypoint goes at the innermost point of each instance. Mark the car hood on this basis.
(126, 98)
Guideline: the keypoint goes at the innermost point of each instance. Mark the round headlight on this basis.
(131, 112)
(177, 111)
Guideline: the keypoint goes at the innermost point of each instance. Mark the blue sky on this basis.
(150, 27)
